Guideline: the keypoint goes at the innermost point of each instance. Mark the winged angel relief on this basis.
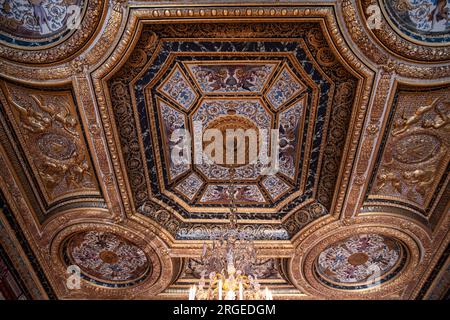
(417, 145)
(36, 17)
(52, 138)
(442, 119)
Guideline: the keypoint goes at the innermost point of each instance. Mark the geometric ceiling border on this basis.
(114, 18)
(20, 241)
(21, 291)
(433, 261)
(431, 284)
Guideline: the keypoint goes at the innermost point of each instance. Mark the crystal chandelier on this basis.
(228, 265)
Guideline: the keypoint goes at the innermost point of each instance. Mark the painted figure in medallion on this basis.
(425, 20)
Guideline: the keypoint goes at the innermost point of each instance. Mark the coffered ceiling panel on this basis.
(48, 125)
(413, 167)
(215, 75)
(47, 141)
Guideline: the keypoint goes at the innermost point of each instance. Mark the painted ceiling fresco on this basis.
(246, 84)
(244, 111)
(107, 259)
(36, 23)
(344, 265)
(425, 20)
(358, 208)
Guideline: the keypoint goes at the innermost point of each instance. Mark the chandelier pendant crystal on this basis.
(228, 265)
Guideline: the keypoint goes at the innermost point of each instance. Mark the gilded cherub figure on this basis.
(60, 114)
(52, 173)
(391, 178)
(77, 173)
(403, 124)
(420, 178)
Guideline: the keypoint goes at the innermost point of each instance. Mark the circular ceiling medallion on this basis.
(107, 259)
(360, 261)
(46, 31)
(39, 23)
(422, 20)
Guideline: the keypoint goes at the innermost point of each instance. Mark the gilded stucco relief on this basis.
(49, 130)
(416, 153)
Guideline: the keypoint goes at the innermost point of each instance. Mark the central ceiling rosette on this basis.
(174, 81)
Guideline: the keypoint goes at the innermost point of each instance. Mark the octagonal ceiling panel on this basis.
(244, 83)
(233, 96)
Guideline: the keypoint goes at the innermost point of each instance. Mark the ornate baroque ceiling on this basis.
(360, 94)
